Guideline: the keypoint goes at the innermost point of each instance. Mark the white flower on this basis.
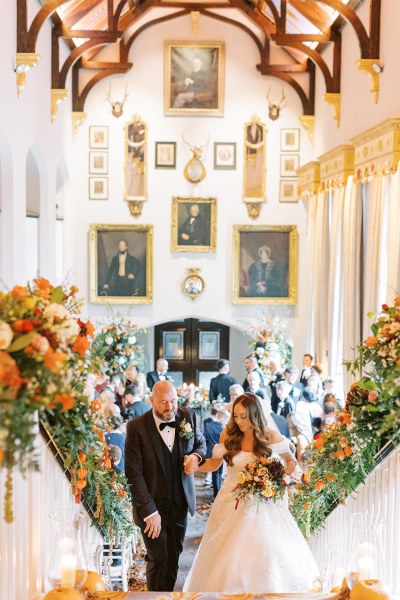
(40, 343)
(264, 361)
(260, 351)
(241, 477)
(187, 427)
(131, 339)
(6, 335)
(55, 311)
(121, 360)
(108, 340)
(287, 479)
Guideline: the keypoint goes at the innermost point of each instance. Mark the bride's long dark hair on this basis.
(255, 414)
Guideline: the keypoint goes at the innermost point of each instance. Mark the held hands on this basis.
(131, 276)
(153, 526)
(190, 464)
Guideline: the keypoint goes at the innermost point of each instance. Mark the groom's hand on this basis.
(191, 463)
(153, 526)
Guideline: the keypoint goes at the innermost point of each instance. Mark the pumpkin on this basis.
(63, 593)
(368, 589)
(93, 583)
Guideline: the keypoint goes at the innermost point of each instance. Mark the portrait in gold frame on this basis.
(121, 264)
(194, 78)
(265, 263)
(254, 161)
(194, 229)
(136, 159)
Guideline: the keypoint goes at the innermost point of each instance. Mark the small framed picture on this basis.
(98, 163)
(288, 190)
(173, 348)
(224, 155)
(209, 345)
(98, 137)
(289, 165)
(290, 140)
(165, 155)
(98, 188)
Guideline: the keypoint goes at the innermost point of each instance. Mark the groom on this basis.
(162, 446)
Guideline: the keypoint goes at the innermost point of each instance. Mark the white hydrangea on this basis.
(6, 335)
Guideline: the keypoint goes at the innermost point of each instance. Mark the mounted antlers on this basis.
(117, 105)
(274, 108)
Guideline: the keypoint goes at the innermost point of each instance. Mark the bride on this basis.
(249, 546)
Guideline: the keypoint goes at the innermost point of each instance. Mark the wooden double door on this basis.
(192, 348)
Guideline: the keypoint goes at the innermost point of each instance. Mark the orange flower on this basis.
(1, 455)
(121, 494)
(18, 291)
(340, 455)
(23, 325)
(95, 404)
(371, 342)
(306, 505)
(81, 345)
(90, 329)
(65, 400)
(330, 478)
(9, 376)
(82, 472)
(345, 418)
(82, 457)
(348, 451)
(107, 463)
(80, 484)
(319, 443)
(74, 290)
(43, 288)
(397, 301)
(320, 484)
(398, 362)
(54, 360)
(343, 442)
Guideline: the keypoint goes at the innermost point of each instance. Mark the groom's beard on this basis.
(166, 415)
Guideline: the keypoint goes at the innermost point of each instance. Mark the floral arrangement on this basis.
(264, 479)
(193, 396)
(269, 340)
(339, 458)
(43, 349)
(114, 348)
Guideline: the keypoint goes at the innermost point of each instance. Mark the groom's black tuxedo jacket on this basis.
(145, 466)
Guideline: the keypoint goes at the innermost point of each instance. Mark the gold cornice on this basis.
(373, 68)
(25, 61)
(308, 179)
(334, 99)
(336, 166)
(77, 119)
(308, 122)
(57, 96)
(377, 149)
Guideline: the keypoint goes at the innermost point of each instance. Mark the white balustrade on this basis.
(379, 495)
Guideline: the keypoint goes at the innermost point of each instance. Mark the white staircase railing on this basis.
(379, 495)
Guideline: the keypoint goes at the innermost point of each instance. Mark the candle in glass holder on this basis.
(365, 567)
(338, 575)
(68, 563)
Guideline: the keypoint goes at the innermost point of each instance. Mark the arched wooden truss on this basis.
(320, 27)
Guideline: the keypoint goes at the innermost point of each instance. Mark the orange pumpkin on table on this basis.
(93, 583)
(63, 593)
(368, 589)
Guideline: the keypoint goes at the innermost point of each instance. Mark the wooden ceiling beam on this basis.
(302, 37)
(79, 99)
(103, 34)
(314, 13)
(27, 38)
(79, 13)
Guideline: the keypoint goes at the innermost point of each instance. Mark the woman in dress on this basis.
(249, 546)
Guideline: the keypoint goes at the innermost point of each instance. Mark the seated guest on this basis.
(299, 431)
(277, 375)
(254, 381)
(291, 374)
(285, 405)
(314, 383)
(329, 415)
(132, 404)
(115, 438)
(309, 409)
(140, 381)
(130, 373)
(219, 385)
(234, 391)
(159, 373)
(330, 388)
(306, 372)
(251, 364)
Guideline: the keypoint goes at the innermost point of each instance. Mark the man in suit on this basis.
(251, 364)
(276, 375)
(132, 404)
(291, 373)
(163, 448)
(254, 381)
(125, 276)
(159, 373)
(219, 385)
(306, 372)
(194, 230)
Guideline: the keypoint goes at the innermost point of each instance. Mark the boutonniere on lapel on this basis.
(185, 430)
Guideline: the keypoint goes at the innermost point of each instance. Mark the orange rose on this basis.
(371, 342)
(397, 301)
(80, 484)
(82, 472)
(343, 442)
(340, 455)
(54, 360)
(9, 376)
(74, 290)
(43, 288)
(306, 505)
(320, 484)
(65, 400)
(82, 457)
(18, 291)
(330, 478)
(23, 325)
(81, 345)
(345, 418)
(319, 443)
(122, 494)
(348, 451)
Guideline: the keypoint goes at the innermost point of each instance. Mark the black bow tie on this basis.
(167, 424)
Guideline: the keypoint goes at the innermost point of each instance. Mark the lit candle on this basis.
(365, 567)
(68, 563)
(191, 385)
(338, 576)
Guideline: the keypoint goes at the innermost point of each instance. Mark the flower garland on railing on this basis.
(269, 340)
(42, 357)
(340, 458)
(115, 347)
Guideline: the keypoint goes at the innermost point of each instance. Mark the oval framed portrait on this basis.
(193, 285)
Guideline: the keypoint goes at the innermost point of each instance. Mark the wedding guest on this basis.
(299, 431)
(286, 404)
(219, 385)
(314, 383)
(254, 382)
(309, 409)
(306, 372)
(291, 374)
(115, 438)
(140, 382)
(329, 416)
(132, 404)
(130, 373)
(213, 428)
(159, 373)
(235, 391)
(251, 364)
(330, 388)
(276, 375)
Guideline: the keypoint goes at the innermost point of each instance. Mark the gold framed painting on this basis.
(194, 224)
(194, 78)
(136, 159)
(121, 264)
(265, 262)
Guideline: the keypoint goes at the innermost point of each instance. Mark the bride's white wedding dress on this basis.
(254, 547)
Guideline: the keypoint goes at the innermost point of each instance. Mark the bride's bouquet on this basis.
(264, 478)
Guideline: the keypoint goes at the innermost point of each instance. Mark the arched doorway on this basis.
(192, 348)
